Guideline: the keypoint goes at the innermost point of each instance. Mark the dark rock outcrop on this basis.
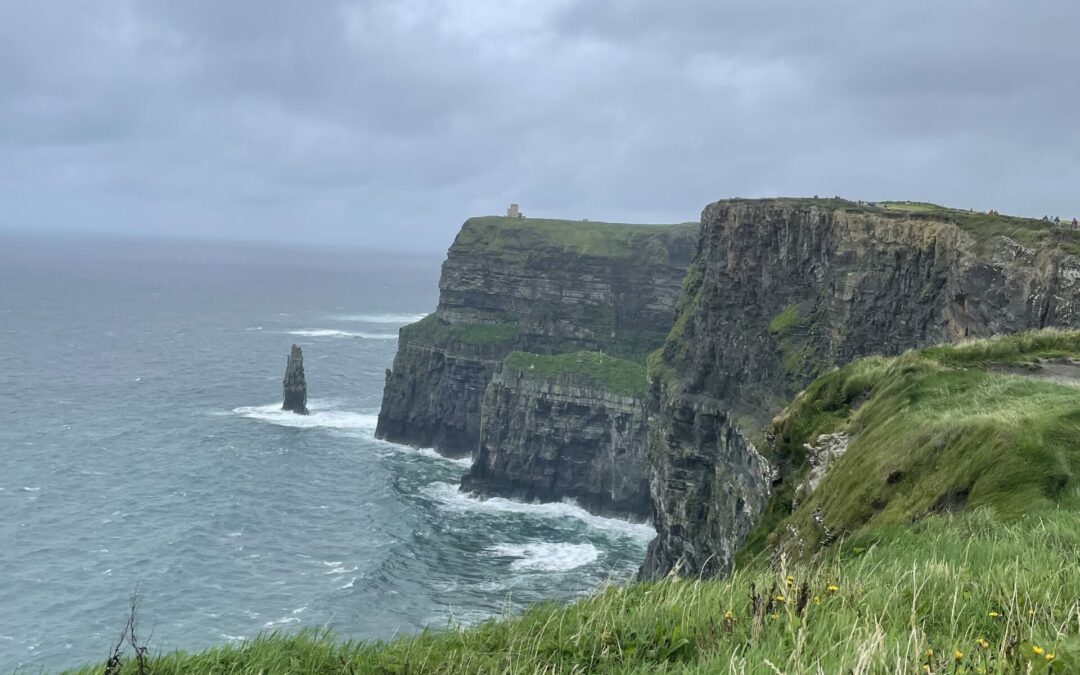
(540, 286)
(295, 385)
(782, 290)
(550, 438)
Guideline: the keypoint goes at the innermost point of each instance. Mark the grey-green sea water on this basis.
(142, 449)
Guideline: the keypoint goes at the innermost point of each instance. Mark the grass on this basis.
(989, 584)
(622, 377)
(431, 331)
(785, 320)
(936, 431)
(1030, 232)
(536, 236)
(908, 600)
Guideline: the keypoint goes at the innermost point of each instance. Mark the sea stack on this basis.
(294, 384)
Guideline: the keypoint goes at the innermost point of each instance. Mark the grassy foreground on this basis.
(986, 581)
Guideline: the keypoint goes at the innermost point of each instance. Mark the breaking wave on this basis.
(330, 332)
(448, 495)
(545, 556)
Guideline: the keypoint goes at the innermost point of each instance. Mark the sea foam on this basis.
(397, 319)
(545, 556)
(450, 497)
(330, 332)
(272, 413)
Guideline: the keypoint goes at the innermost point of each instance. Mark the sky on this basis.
(386, 123)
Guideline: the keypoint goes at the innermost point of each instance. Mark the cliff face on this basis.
(564, 435)
(781, 291)
(539, 286)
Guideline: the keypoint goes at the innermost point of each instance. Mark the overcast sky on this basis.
(386, 123)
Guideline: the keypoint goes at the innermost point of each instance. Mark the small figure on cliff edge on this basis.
(295, 385)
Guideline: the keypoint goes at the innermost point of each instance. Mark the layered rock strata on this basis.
(566, 435)
(782, 290)
(539, 286)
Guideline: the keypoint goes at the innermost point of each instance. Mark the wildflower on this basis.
(993, 615)
(832, 588)
(982, 643)
(1050, 656)
(929, 653)
(958, 655)
(728, 615)
(790, 581)
(1039, 651)
(779, 598)
(817, 599)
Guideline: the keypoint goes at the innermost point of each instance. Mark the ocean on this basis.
(143, 452)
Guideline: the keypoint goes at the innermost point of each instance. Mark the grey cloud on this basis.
(387, 122)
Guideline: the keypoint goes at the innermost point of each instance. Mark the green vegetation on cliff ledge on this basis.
(619, 376)
(537, 236)
(983, 226)
(431, 331)
(956, 521)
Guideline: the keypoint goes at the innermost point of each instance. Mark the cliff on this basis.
(540, 286)
(568, 426)
(783, 290)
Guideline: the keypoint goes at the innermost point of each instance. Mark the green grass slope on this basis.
(619, 376)
(539, 236)
(985, 580)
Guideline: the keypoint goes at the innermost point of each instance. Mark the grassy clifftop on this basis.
(991, 423)
(498, 234)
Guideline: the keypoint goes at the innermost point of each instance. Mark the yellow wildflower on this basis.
(929, 653)
(728, 615)
(958, 655)
(993, 615)
(1050, 656)
(779, 598)
(790, 581)
(982, 643)
(1039, 651)
(832, 588)
(817, 600)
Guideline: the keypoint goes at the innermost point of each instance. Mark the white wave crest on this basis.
(465, 462)
(397, 319)
(450, 497)
(546, 556)
(318, 419)
(329, 332)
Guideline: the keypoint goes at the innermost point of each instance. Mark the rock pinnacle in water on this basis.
(294, 384)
